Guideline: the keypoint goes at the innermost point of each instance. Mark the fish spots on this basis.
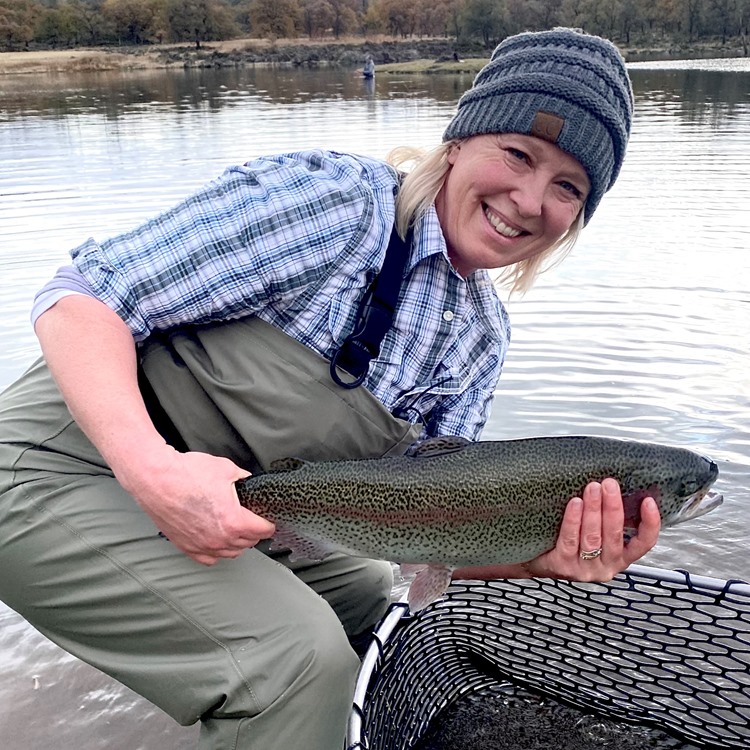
(455, 503)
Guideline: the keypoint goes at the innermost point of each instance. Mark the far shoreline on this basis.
(391, 56)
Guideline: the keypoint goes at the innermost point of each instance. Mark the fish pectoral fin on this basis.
(438, 446)
(300, 548)
(411, 569)
(285, 464)
(430, 583)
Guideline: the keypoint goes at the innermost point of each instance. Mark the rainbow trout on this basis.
(451, 503)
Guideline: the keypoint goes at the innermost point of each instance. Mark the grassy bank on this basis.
(471, 65)
(232, 53)
(391, 56)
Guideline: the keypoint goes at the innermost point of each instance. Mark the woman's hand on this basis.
(191, 499)
(189, 496)
(592, 523)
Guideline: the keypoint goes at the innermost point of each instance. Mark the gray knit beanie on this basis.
(565, 86)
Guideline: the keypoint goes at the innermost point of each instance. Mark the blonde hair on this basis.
(425, 175)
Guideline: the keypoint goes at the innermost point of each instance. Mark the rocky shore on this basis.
(344, 54)
(238, 53)
(416, 55)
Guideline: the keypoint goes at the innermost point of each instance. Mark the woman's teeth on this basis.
(500, 226)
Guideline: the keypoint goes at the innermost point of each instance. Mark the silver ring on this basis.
(584, 555)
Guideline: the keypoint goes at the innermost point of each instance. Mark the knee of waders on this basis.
(301, 693)
(312, 659)
(362, 593)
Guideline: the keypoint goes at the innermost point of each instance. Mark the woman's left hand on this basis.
(592, 523)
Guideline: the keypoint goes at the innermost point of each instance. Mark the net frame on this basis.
(655, 647)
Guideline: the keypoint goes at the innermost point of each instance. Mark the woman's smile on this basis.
(500, 226)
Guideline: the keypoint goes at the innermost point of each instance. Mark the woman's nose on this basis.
(528, 195)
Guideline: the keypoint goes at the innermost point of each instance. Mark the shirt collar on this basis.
(480, 289)
(429, 240)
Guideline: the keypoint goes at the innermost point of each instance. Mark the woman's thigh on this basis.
(87, 567)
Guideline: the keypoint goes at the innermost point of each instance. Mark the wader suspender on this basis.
(374, 316)
(374, 319)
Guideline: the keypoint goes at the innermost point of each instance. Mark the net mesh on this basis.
(654, 647)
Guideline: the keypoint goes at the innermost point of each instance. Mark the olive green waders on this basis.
(256, 648)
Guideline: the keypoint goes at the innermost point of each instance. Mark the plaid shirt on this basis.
(296, 239)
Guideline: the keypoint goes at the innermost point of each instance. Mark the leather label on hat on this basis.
(547, 126)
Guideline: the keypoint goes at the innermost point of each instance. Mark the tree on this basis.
(609, 15)
(344, 16)
(316, 17)
(133, 21)
(628, 18)
(454, 10)
(520, 15)
(548, 13)
(199, 20)
(397, 17)
(485, 19)
(90, 20)
(647, 13)
(274, 18)
(432, 16)
(742, 21)
(17, 22)
(669, 15)
(53, 27)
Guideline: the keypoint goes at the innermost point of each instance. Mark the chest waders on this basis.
(245, 390)
(254, 647)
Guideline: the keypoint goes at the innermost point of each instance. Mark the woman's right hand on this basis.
(190, 496)
(191, 499)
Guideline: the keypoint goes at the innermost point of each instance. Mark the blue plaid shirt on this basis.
(296, 239)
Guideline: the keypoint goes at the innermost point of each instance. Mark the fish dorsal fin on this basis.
(285, 464)
(438, 446)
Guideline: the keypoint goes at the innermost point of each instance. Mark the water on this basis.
(641, 333)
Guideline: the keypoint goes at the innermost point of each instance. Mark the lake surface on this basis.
(643, 332)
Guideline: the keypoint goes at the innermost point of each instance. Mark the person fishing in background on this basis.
(197, 348)
(368, 70)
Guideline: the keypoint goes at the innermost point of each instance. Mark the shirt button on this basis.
(448, 315)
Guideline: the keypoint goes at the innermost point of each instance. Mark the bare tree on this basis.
(17, 21)
(274, 18)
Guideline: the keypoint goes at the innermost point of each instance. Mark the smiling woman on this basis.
(507, 198)
(545, 127)
(196, 347)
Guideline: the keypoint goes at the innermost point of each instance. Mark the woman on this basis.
(122, 539)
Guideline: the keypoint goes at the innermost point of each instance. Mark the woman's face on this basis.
(506, 198)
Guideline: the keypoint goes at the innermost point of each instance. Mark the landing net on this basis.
(655, 647)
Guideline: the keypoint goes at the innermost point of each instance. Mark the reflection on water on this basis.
(699, 84)
(641, 333)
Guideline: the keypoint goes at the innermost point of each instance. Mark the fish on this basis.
(451, 503)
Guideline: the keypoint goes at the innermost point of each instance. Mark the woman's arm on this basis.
(594, 521)
(189, 496)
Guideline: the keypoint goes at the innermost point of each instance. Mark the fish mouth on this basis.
(699, 503)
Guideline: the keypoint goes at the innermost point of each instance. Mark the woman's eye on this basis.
(572, 189)
(518, 154)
